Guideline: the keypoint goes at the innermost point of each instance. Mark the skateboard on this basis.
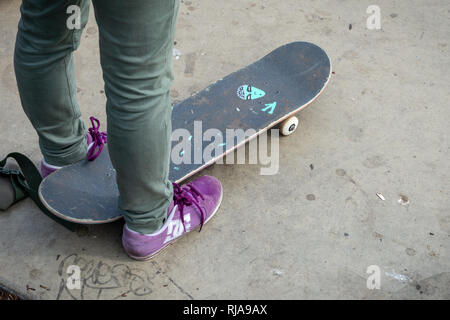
(260, 96)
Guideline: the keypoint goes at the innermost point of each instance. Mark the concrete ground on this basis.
(382, 126)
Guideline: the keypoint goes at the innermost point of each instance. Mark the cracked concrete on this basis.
(312, 230)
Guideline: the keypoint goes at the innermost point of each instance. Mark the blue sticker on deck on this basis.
(270, 107)
(247, 92)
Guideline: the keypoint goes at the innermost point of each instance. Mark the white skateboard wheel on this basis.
(289, 126)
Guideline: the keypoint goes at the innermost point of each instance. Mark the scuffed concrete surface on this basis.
(382, 126)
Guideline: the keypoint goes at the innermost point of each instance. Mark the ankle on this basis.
(50, 166)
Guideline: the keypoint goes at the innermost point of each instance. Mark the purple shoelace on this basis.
(187, 196)
(98, 138)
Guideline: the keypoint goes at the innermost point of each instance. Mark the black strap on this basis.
(28, 180)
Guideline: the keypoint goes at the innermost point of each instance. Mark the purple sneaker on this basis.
(193, 205)
(95, 142)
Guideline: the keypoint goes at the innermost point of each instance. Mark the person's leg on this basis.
(136, 40)
(45, 75)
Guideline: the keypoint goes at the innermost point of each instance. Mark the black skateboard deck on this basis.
(259, 96)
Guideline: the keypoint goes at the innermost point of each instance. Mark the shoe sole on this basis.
(146, 258)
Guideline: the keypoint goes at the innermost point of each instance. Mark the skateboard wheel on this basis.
(289, 125)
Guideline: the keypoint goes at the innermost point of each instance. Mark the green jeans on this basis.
(136, 40)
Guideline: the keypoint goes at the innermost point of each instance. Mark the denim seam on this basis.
(172, 26)
(69, 89)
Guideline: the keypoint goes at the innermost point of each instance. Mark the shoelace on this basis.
(187, 196)
(98, 138)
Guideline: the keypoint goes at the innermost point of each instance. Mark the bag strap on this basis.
(11, 178)
(27, 181)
